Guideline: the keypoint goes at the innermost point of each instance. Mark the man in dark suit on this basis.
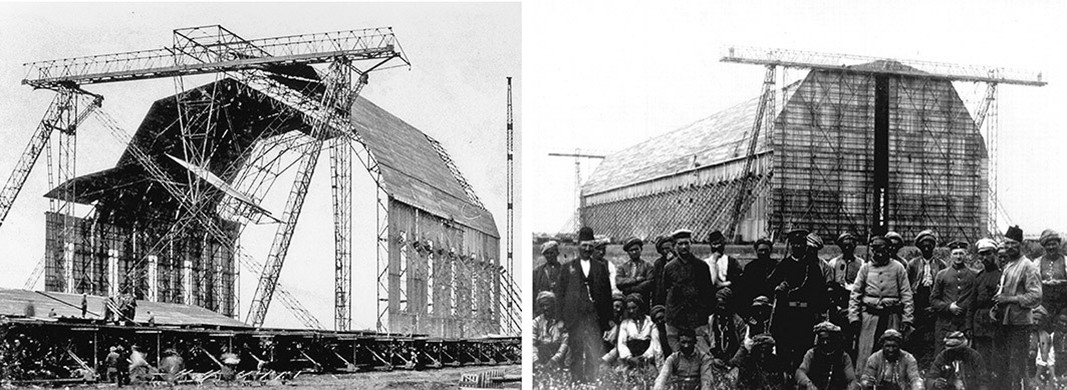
(584, 292)
(688, 292)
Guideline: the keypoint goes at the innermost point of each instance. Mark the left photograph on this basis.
(280, 195)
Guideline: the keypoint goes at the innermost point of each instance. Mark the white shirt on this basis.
(585, 266)
(717, 265)
(611, 277)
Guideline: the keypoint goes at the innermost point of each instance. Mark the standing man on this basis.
(845, 268)
(953, 296)
(1053, 273)
(896, 242)
(689, 293)
(546, 275)
(881, 299)
(1019, 295)
(665, 248)
(800, 297)
(635, 275)
(985, 330)
(584, 293)
(921, 273)
(600, 250)
(725, 270)
(753, 281)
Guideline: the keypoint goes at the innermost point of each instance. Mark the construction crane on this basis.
(578, 156)
(991, 76)
(215, 50)
(513, 304)
(743, 199)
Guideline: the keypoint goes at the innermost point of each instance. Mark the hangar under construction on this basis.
(164, 224)
(859, 144)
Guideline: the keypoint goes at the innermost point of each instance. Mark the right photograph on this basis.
(797, 196)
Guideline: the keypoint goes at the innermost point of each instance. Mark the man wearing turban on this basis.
(826, 366)
(546, 275)
(1053, 273)
(549, 333)
(891, 367)
(921, 273)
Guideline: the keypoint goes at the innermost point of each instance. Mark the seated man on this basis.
(757, 322)
(638, 339)
(685, 369)
(826, 366)
(611, 336)
(725, 328)
(759, 368)
(957, 366)
(549, 334)
(891, 368)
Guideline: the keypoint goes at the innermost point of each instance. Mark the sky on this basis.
(604, 78)
(455, 91)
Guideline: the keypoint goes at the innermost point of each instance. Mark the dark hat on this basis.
(762, 241)
(585, 234)
(724, 294)
(663, 240)
(958, 245)
(878, 239)
(682, 233)
(1014, 233)
(632, 242)
(763, 339)
(716, 236)
(926, 235)
(846, 236)
(688, 332)
(797, 235)
(636, 298)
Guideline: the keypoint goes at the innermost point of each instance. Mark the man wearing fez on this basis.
(1053, 273)
(1018, 296)
(880, 300)
(953, 295)
(635, 275)
(584, 293)
(800, 298)
(896, 242)
(724, 269)
(844, 268)
(688, 293)
(921, 273)
(753, 281)
(665, 248)
(985, 327)
(546, 275)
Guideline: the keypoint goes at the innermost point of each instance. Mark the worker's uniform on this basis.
(1020, 280)
(688, 293)
(797, 310)
(881, 300)
(984, 328)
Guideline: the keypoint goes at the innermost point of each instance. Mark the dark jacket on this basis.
(753, 282)
(657, 281)
(688, 293)
(985, 287)
(971, 368)
(545, 277)
(574, 291)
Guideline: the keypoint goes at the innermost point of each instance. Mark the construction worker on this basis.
(985, 328)
(1053, 273)
(611, 336)
(638, 343)
(687, 369)
(600, 251)
(891, 367)
(844, 269)
(881, 299)
(800, 299)
(953, 295)
(635, 275)
(896, 243)
(724, 329)
(549, 334)
(547, 274)
(759, 367)
(688, 293)
(826, 366)
(724, 269)
(921, 273)
(584, 293)
(665, 248)
(753, 281)
(1018, 296)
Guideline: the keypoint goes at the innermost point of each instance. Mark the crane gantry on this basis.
(255, 63)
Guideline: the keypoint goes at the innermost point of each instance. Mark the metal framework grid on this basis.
(816, 172)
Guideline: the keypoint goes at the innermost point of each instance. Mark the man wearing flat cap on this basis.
(921, 272)
(546, 275)
(584, 294)
(985, 328)
(881, 300)
(665, 248)
(957, 366)
(800, 299)
(688, 293)
(1053, 273)
(635, 275)
(600, 250)
(896, 243)
(1018, 296)
(953, 295)
(725, 270)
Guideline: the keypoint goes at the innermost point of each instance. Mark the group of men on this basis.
(804, 322)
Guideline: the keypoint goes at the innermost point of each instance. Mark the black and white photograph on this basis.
(277, 195)
(795, 195)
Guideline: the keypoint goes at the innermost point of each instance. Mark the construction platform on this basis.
(45, 338)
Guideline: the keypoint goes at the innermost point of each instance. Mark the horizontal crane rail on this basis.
(846, 62)
(367, 44)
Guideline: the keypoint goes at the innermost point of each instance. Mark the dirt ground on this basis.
(440, 379)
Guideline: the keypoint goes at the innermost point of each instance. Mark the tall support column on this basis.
(992, 122)
(880, 216)
(341, 183)
(382, 214)
(512, 306)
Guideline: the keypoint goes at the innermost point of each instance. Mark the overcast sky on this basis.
(605, 78)
(455, 91)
